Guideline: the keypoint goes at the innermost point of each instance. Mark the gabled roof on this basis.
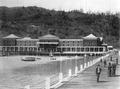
(49, 36)
(71, 39)
(27, 38)
(91, 36)
(11, 36)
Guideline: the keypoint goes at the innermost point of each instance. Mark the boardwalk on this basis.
(87, 80)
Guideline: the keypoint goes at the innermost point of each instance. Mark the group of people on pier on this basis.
(111, 66)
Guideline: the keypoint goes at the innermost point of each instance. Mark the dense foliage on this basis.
(35, 21)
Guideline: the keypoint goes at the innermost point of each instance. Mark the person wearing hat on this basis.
(98, 72)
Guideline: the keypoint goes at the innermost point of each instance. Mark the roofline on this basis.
(27, 39)
(7, 37)
(71, 39)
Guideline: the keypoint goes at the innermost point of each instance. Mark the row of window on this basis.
(61, 43)
(77, 42)
(83, 49)
(63, 49)
(71, 43)
(26, 43)
(90, 43)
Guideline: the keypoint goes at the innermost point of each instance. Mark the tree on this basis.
(4, 17)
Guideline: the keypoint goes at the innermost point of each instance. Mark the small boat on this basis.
(28, 59)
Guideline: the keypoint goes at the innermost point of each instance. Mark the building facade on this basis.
(27, 46)
(13, 45)
(8, 45)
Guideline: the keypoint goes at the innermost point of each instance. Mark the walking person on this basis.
(110, 58)
(105, 63)
(98, 72)
(101, 60)
(114, 69)
(109, 70)
(117, 61)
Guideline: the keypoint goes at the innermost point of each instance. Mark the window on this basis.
(101, 49)
(91, 49)
(78, 49)
(87, 49)
(68, 49)
(82, 49)
(73, 49)
(96, 49)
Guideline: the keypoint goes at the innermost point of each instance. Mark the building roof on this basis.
(11, 36)
(49, 36)
(47, 42)
(71, 39)
(91, 36)
(27, 38)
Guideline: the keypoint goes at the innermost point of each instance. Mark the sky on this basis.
(86, 5)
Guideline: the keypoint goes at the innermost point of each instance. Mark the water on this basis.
(15, 73)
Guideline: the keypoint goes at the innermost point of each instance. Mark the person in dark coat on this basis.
(114, 68)
(117, 61)
(98, 72)
(101, 60)
(105, 63)
(109, 69)
(110, 58)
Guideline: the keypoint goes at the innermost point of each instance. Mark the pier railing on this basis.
(59, 78)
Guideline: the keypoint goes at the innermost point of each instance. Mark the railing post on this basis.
(76, 70)
(70, 72)
(60, 77)
(47, 83)
(84, 65)
(81, 67)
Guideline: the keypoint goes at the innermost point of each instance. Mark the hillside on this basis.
(36, 21)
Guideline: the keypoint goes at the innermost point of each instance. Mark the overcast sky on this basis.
(86, 5)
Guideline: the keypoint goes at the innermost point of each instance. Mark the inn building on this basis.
(44, 45)
(27, 46)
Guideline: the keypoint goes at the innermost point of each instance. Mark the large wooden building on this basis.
(13, 45)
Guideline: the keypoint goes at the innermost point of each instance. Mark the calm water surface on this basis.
(15, 73)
